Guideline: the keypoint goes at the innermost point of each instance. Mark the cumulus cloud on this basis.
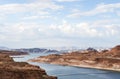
(77, 30)
(19, 31)
(36, 20)
(99, 9)
(35, 32)
(86, 29)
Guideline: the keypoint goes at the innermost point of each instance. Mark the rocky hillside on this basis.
(12, 52)
(115, 51)
(20, 70)
(105, 59)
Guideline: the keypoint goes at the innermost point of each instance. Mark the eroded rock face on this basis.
(23, 74)
(20, 70)
(115, 51)
(106, 59)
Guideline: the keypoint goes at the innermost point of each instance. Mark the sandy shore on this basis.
(93, 67)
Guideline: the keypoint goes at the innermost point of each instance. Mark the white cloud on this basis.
(34, 32)
(36, 17)
(19, 31)
(30, 8)
(86, 29)
(112, 29)
(40, 20)
(99, 9)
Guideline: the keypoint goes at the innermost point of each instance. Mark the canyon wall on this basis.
(20, 70)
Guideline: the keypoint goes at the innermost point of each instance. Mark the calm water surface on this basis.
(67, 72)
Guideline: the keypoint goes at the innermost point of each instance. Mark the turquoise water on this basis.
(67, 72)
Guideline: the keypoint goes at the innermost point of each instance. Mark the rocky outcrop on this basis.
(91, 50)
(115, 51)
(106, 59)
(12, 52)
(20, 70)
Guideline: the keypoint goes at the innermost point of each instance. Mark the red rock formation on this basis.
(115, 51)
(20, 70)
(107, 59)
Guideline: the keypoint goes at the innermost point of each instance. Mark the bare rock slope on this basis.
(20, 70)
(106, 59)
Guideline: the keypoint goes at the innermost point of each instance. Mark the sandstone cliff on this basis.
(106, 59)
(20, 70)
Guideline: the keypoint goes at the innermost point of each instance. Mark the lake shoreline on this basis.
(81, 66)
(104, 60)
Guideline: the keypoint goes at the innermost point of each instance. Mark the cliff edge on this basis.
(20, 70)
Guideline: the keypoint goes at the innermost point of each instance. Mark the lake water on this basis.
(67, 72)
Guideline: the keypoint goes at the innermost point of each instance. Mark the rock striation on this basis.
(20, 70)
(105, 59)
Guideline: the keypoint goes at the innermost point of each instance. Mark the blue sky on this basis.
(57, 23)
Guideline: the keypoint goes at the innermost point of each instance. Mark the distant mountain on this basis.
(31, 50)
(50, 50)
(35, 50)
